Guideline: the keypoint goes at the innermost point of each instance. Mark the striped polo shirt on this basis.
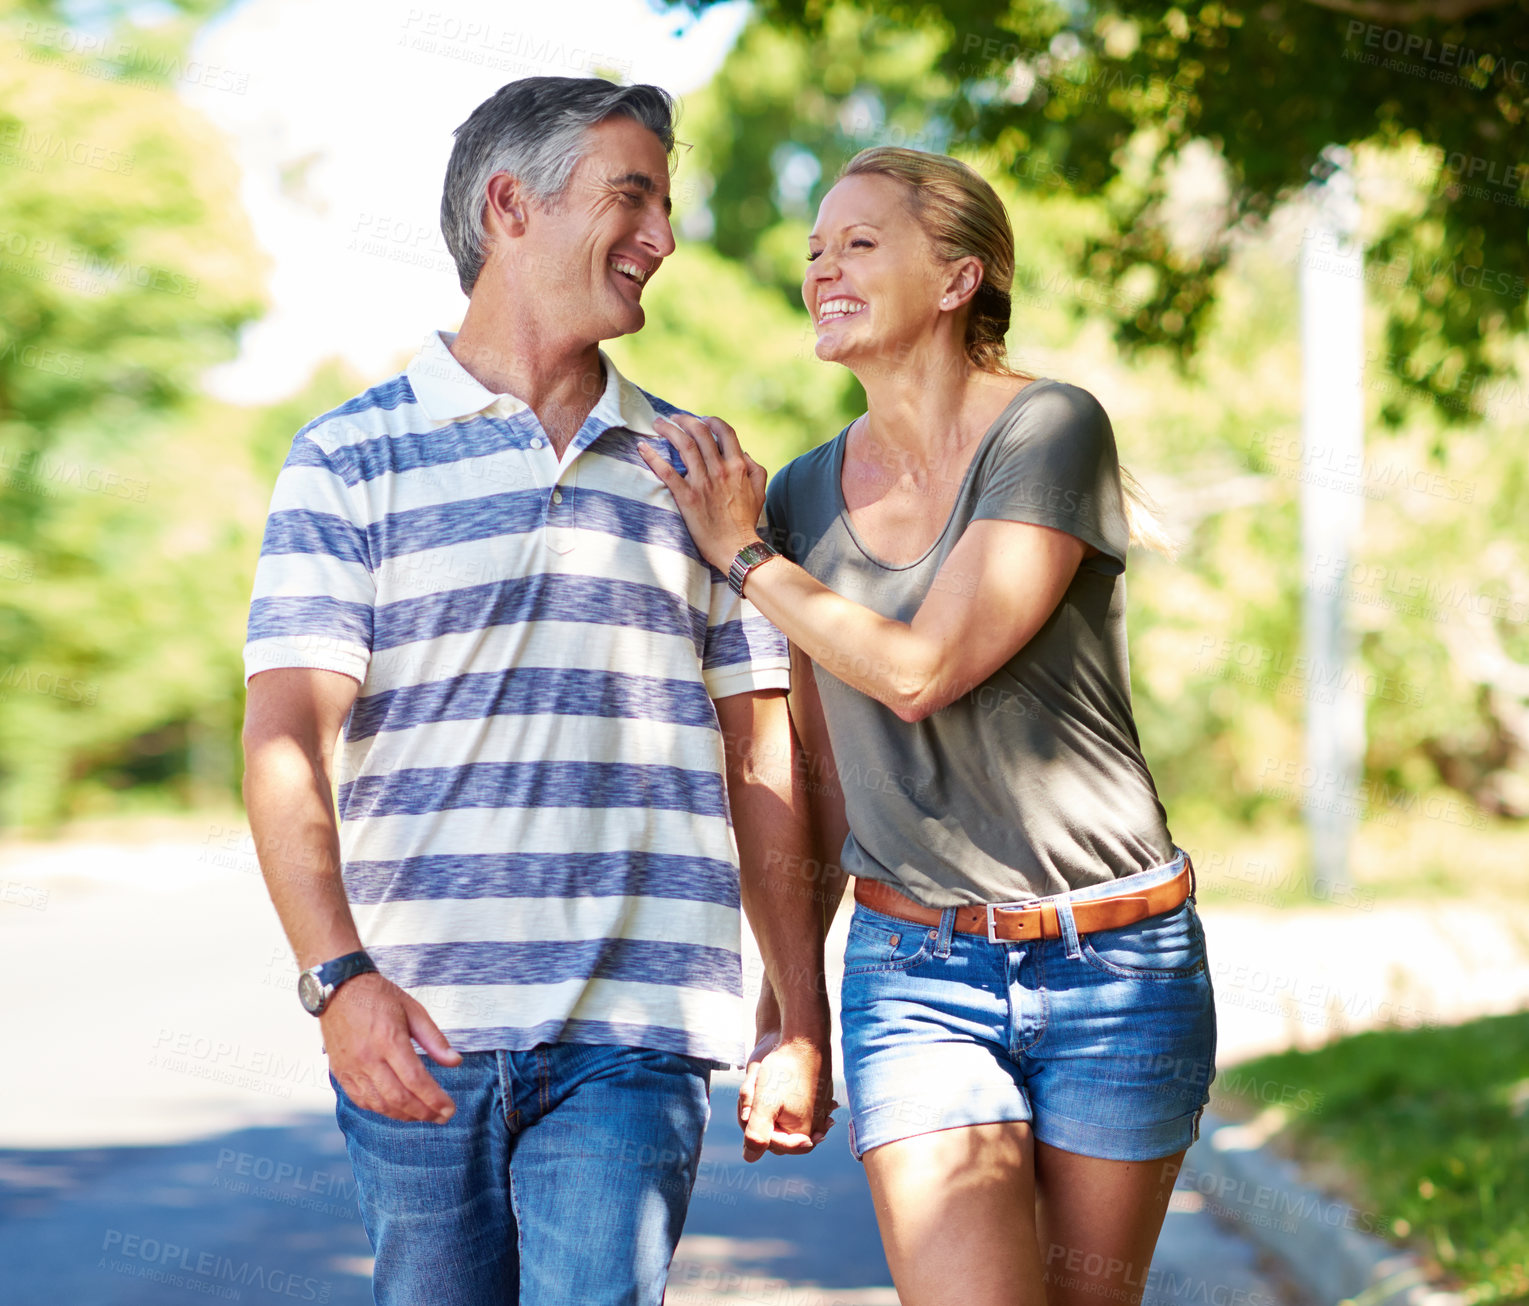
(534, 824)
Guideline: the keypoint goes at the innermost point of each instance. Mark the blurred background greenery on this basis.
(1152, 164)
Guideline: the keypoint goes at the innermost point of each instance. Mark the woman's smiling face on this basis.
(873, 284)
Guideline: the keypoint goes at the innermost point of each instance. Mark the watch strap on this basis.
(327, 976)
(334, 973)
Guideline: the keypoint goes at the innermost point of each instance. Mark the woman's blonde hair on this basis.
(964, 218)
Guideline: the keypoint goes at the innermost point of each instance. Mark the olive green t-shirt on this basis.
(1033, 783)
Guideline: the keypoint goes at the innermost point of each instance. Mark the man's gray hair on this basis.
(535, 130)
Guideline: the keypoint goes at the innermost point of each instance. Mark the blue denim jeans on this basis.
(563, 1177)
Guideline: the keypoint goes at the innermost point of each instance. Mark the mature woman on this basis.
(1028, 1021)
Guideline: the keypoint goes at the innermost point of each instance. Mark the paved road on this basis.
(163, 1091)
(269, 1214)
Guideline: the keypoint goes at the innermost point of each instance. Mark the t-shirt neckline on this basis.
(849, 525)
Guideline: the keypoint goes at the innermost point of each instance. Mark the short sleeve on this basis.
(744, 653)
(1056, 465)
(802, 501)
(777, 527)
(314, 592)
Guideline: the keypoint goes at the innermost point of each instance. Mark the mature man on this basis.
(552, 707)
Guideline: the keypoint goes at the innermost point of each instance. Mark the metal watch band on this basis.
(748, 557)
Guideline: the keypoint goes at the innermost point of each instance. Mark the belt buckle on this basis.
(993, 908)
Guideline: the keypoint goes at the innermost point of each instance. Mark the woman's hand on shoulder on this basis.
(722, 491)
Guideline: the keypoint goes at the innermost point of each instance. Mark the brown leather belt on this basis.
(1018, 922)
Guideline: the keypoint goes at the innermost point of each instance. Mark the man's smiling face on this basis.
(606, 235)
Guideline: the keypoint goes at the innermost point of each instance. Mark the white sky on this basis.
(343, 129)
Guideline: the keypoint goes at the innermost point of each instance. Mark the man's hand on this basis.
(785, 1103)
(367, 1025)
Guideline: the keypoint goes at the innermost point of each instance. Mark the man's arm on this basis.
(828, 825)
(766, 793)
(292, 719)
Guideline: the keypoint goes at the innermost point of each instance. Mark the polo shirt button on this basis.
(557, 496)
(537, 443)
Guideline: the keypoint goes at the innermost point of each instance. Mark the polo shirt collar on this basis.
(448, 392)
(623, 404)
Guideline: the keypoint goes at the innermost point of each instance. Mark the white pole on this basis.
(1332, 499)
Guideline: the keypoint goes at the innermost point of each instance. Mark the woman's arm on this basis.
(997, 588)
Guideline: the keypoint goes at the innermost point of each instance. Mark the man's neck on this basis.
(560, 379)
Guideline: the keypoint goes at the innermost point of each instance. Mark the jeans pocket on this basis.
(1164, 947)
(878, 942)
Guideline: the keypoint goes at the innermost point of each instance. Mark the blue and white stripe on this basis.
(534, 819)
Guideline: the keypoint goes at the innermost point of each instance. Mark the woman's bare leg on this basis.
(957, 1215)
(1098, 1223)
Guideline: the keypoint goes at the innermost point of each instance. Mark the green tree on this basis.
(1212, 420)
(1111, 98)
(128, 268)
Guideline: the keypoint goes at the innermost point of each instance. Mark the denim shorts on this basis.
(1104, 1042)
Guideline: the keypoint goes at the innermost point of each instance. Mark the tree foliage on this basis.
(126, 268)
(1109, 100)
(1221, 685)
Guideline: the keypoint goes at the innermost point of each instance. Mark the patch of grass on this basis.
(1431, 1126)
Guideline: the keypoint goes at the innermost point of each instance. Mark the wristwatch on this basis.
(316, 985)
(748, 557)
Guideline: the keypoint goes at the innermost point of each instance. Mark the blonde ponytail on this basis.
(1144, 518)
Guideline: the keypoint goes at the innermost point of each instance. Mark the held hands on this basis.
(786, 1101)
(723, 490)
(366, 1026)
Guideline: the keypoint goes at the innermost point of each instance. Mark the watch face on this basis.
(310, 992)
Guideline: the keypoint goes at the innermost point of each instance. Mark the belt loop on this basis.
(947, 928)
(1069, 927)
(1189, 863)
